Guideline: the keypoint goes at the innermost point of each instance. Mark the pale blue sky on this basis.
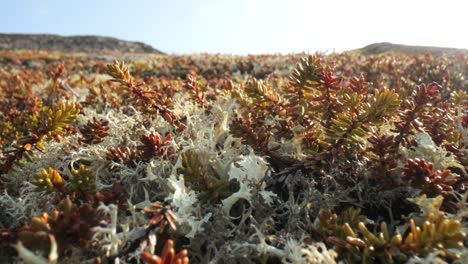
(246, 26)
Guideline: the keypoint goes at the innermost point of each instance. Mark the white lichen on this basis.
(184, 204)
(106, 237)
(249, 172)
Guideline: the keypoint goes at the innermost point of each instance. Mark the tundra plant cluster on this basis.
(343, 158)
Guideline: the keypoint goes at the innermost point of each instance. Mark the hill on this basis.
(87, 44)
(383, 47)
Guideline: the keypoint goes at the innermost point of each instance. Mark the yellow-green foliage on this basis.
(202, 179)
(119, 72)
(262, 95)
(48, 180)
(48, 124)
(54, 119)
(361, 245)
(83, 180)
(337, 114)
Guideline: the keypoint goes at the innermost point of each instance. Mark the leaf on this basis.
(119, 72)
(384, 103)
(48, 180)
(306, 73)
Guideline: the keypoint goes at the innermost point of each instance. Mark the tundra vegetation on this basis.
(347, 158)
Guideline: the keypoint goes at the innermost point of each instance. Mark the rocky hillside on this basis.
(383, 47)
(87, 44)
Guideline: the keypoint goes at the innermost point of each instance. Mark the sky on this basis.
(246, 26)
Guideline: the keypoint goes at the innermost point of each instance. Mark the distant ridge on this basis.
(378, 48)
(87, 44)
